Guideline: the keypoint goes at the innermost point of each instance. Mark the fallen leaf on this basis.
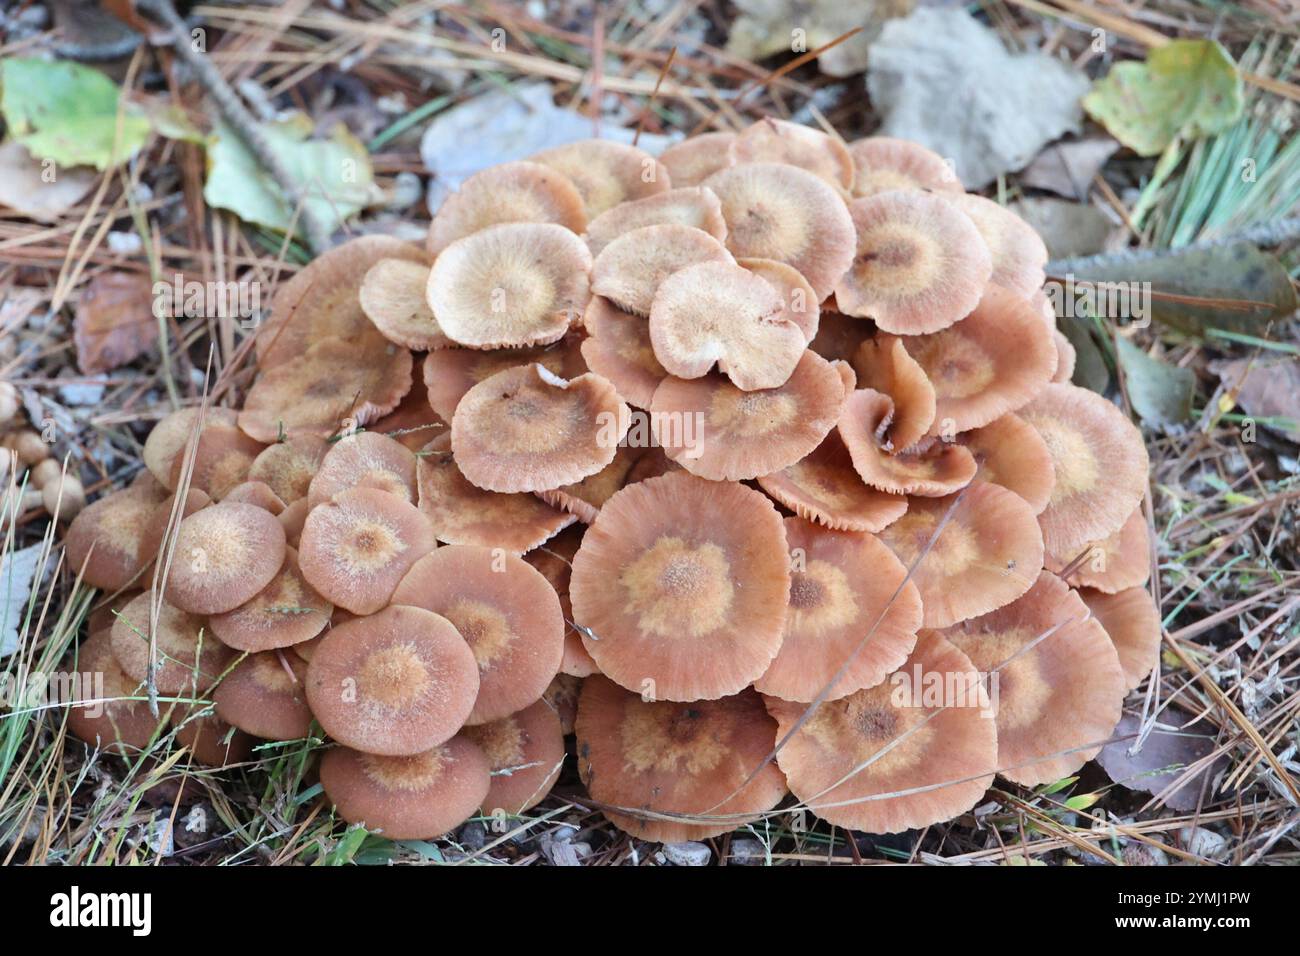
(941, 78)
(334, 175)
(1266, 389)
(1187, 88)
(1090, 368)
(36, 190)
(17, 574)
(1161, 393)
(114, 321)
(765, 27)
(1069, 228)
(1067, 168)
(1165, 754)
(69, 113)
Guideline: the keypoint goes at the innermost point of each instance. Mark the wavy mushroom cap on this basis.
(330, 387)
(929, 469)
(526, 429)
(884, 164)
(986, 554)
(416, 797)
(398, 682)
(507, 613)
(719, 313)
(851, 610)
(562, 695)
(781, 212)
(884, 364)
(714, 430)
(265, 695)
(1132, 623)
(450, 373)
(509, 192)
(696, 206)
(110, 720)
(364, 460)
(681, 586)
(798, 297)
(284, 613)
(287, 467)
(394, 296)
(1058, 693)
(693, 160)
(824, 487)
(771, 140)
(1019, 254)
(526, 753)
(168, 439)
(676, 771)
(516, 284)
(321, 300)
(618, 348)
(920, 264)
(896, 756)
(1011, 453)
(584, 498)
(1120, 561)
(1101, 466)
(629, 270)
(189, 657)
(607, 173)
(105, 542)
(224, 555)
(357, 546)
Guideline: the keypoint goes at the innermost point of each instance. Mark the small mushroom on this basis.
(188, 658)
(607, 173)
(264, 695)
(284, 613)
(929, 468)
(168, 439)
(256, 493)
(105, 542)
(1011, 453)
(526, 754)
(221, 460)
(398, 682)
(1019, 254)
(450, 373)
(394, 296)
(696, 206)
(618, 348)
(884, 364)
(364, 460)
(693, 160)
(288, 467)
(1132, 623)
(224, 555)
(883, 164)
(101, 712)
(1120, 561)
(629, 270)
(771, 140)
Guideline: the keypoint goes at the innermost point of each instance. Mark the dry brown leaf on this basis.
(37, 191)
(114, 321)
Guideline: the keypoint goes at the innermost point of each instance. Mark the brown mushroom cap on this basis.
(776, 211)
(397, 682)
(714, 430)
(364, 459)
(920, 264)
(883, 363)
(771, 140)
(883, 164)
(823, 487)
(630, 269)
(1132, 623)
(1101, 466)
(168, 439)
(934, 757)
(850, 607)
(721, 313)
(394, 296)
(462, 513)
(285, 612)
(928, 469)
(107, 720)
(695, 206)
(264, 695)
(104, 613)
(1012, 454)
(450, 373)
(693, 160)
(321, 302)
(331, 387)
(509, 192)
(106, 536)
(510, 285)
(1120, 561)
(221, 460)
(224, 555)
(154, 534)
(292, 519)
(681, 585)
(562, 695)
(607, 173)
(407, 798)
(618, 348)
(798, 297)
(210, 740)
(666, 760)
(189, 656)
(584, 498)
(526, 753)
(505, 610)
(356, 547)
(256, 493)
(288, 467)
(526, 429)
(1019, 254)
(555, 561)
(1057, 699)
(987, 555)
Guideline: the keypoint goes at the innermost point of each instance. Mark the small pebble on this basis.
(1202, 842)
(688, 853)
(747, 852)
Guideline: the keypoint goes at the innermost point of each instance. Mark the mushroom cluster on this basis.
(756, 466)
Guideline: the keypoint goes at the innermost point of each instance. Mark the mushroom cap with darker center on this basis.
(224, 555)
(364, 459)
(265, 695)
(1011, 453)
(629, 270)
(681, 585)
(221, 462)
(398, 682)
(168, 439)
(287, 467)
